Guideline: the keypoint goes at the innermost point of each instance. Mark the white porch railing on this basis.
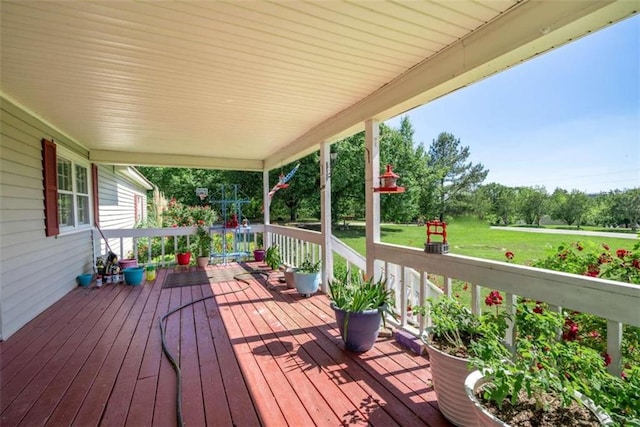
(406, 272)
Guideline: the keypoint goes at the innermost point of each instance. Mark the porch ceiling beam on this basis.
(523, 32)
(170, 160)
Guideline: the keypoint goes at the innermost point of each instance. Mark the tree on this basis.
(625, 207)
(531, 203)
(500, 200)
(569, 207)
(453, 176)
(409, 161)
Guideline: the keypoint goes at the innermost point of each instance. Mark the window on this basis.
(67, 194)
(73, 194)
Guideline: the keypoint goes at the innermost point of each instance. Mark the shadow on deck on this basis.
(252, 354)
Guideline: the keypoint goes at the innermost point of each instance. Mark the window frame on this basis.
(75, 160)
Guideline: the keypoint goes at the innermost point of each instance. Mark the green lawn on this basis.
(472, 237)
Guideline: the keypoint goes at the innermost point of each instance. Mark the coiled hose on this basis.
(165, 348)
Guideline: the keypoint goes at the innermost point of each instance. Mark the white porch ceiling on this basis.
(253, 84)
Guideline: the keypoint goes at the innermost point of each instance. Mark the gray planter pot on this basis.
(475, 380)
(449, 373)
(288, 277)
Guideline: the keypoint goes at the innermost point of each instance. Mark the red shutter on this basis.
(96, 199)
(50, 181)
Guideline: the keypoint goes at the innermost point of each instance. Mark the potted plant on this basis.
(202, 246)
(259, 252)
(359, 305)
(307, 277)
(541, 377)
(183, 256)
(449, 345)
(272, 257)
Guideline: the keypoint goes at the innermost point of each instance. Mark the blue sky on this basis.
(569, 118)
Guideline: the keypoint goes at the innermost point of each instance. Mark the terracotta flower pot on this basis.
(202, 261)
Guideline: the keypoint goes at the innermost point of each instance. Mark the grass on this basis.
(473, 237)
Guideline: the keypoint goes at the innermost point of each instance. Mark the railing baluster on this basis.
(403, 299)
(446, 283)
(475, 299)
(614, 347)
(510, 334)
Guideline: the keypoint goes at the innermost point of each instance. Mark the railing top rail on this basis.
(296, 233)
(606, 298)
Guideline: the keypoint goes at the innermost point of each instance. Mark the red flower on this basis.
(607, 359)
(579, 246)
(592, 271)
(636, 263)
(594, 334)
(605, 246)
(539, 365)
(538, 309)
(623, 375)
(465, 287)
(621, 253)
(571, 331)
(494, 298)
(509, 255)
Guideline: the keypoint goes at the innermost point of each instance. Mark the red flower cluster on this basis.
(538, 309)
(636, 263)
(605, 246)
(621, 253)
(494, 298)
(592, 271)
(509, 254)
(570, 332)
(607, 359)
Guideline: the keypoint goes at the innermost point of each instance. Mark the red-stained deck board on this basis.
(242, 409)
(261, 389)
(260, 356)
(75, 396)
(216, 407)
(57, 370)
(271, 353)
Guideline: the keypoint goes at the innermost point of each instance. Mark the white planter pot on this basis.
(474, 382)
(449, 373)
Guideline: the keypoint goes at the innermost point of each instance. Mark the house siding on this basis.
(117, 195)
(35, 270)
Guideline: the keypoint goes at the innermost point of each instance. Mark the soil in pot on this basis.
(525, 414)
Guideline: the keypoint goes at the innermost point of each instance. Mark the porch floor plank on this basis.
(250, 354)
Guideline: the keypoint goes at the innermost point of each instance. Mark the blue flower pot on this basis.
(359, 330)
(306, 283)
(133, 275)
(84, 279)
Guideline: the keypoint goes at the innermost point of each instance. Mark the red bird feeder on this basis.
(388, 182)
(438, 228)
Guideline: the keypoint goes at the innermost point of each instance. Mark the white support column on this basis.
(372, 199)
(266, 241)
(325, 215)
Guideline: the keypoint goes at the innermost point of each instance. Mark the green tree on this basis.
(500, 200)
(453, 175)
(625, 207)
(570, 207)
(409, 161)
(531, 203)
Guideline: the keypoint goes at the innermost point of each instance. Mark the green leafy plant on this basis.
(202, 241)
(547, 368)
(272, 257)
(308, 266)
(354, 293)
(454, 328)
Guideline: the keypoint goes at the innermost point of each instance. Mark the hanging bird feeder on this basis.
(388, 182)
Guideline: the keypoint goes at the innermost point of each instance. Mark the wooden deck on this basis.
(261, 356)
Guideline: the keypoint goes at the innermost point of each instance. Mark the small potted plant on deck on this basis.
(307, 277)
(272, 257)
(359, 305)
(259, 252)
(183, 256)
(202, 246)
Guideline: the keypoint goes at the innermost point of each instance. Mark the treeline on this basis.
(439, 182)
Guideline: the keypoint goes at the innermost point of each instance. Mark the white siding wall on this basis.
(35, 270)
(117, 205)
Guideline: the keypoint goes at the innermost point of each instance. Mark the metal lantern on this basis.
(388, 182)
